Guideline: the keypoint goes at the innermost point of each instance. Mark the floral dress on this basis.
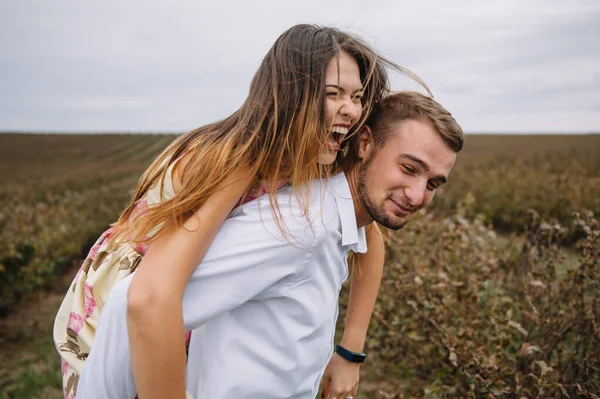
(77, 318)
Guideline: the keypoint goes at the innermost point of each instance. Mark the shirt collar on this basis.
(352, 236)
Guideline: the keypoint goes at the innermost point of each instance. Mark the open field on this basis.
(502, 177)
(491, 293)
(56, 194)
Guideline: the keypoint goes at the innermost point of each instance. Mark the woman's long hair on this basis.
(276, 134)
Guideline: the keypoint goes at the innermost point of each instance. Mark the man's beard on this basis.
(378, 214)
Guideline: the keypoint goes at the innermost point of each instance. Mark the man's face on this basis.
(401, 177)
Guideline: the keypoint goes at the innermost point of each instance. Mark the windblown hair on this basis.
(276, 135)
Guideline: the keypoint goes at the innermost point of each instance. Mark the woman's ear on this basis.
(365, 143)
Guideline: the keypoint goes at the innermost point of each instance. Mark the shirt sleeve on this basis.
(249, 259)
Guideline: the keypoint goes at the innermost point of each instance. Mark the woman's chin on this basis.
(327, 157)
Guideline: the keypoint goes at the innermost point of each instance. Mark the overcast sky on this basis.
(173, 65)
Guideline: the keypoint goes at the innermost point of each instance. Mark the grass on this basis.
(38, 374)
(30, 365)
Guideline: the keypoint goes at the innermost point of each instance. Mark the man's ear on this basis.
(366, 143)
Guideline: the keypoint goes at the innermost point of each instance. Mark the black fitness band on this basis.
(354, 357)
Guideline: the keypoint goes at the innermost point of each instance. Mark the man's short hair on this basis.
(413, 105)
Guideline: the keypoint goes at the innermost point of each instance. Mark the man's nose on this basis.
(415, 194)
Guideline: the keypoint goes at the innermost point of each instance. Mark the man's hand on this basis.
(340, 379)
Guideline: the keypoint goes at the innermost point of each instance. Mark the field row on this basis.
(56, 195)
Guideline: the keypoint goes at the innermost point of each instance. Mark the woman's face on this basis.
(343, 106)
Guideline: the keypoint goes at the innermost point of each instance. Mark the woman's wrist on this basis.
(353, 339)
(350, 356)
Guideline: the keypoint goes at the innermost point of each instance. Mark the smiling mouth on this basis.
(401, 209)
(336, 136)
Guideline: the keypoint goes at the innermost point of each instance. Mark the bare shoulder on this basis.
(235, 183)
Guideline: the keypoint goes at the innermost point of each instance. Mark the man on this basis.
(263, 303)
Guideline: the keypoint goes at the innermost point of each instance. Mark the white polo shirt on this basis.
(262, 306)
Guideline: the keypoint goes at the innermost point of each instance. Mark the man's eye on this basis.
(432, 186)
(408, 168)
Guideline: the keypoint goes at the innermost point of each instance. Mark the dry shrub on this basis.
(464, 313)
(57, 194)
(508, 175)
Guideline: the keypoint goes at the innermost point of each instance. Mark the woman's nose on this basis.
(350, 108)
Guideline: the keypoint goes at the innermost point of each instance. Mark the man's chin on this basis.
(393, 222)
(396, 226)
(387, 218)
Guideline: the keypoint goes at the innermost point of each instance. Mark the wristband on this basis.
(354, 357)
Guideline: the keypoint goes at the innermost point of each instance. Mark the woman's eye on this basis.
(331, 94)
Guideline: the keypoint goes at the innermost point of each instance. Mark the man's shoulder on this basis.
(320, 202)
(315, 195)
(301, 211)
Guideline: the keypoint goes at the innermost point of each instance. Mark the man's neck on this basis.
(362, 216)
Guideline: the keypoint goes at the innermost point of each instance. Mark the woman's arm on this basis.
(341, 376)
(363, 293)
(154, 313)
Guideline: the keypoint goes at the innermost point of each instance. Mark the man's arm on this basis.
(248, 257)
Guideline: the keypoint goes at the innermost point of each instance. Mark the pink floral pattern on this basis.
(141, 249)
(75, 322)
(64, 366)
(99, 242)
(89, 301)
(260, 192)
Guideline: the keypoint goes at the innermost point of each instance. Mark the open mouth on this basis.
(336, 136)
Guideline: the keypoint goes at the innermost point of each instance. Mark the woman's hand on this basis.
(340, 379)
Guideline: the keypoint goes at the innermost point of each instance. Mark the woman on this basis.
(315, 86)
